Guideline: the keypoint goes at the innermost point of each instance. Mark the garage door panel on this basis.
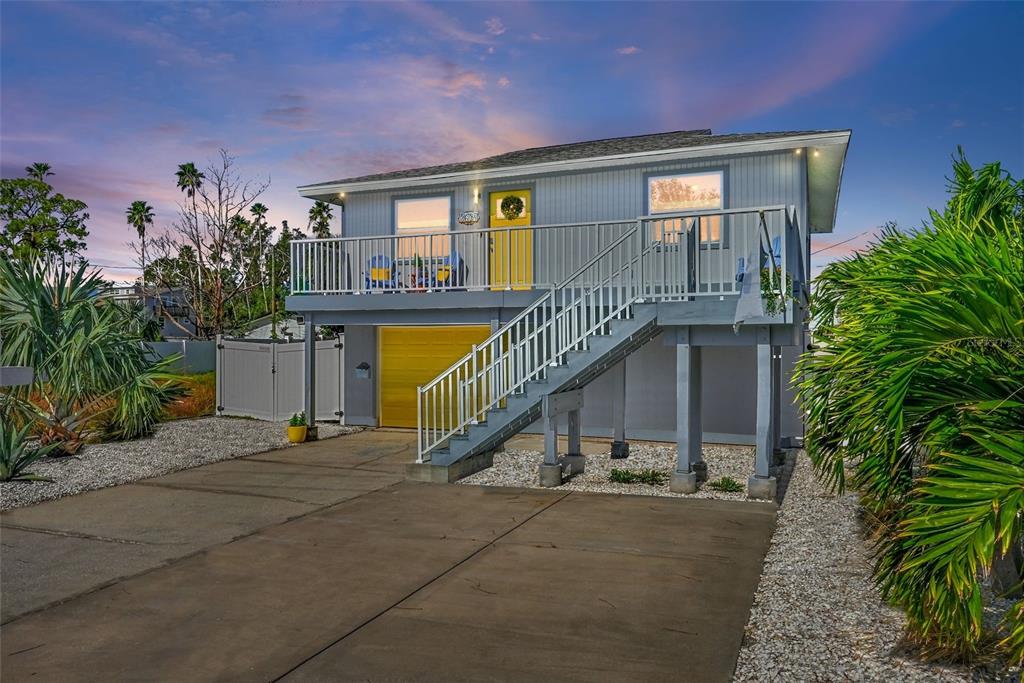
(411, 357)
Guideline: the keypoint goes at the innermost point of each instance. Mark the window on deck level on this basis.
(424, 224)
(687, 192)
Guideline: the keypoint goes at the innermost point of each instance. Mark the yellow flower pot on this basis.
(297, 434)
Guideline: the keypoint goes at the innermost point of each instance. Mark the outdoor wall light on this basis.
(816, 152)
(363, 370)
(476, 195)
(798, 151)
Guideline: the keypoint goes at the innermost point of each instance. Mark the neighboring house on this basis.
(287, 328)
(175, 309)
(614, 264)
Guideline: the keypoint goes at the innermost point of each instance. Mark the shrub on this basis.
(648, 476)
(92, 370)
(16, 455)
(727, 485)
(199, 397)
(915, 389)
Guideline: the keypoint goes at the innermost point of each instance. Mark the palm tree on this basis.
(140, 215)
(320, 215)
(914, 394)
(259, 220)
(190, 180)
(38, 171)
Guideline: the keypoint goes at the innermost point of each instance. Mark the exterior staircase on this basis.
(523, 408)
(568, 337)
(594, 318)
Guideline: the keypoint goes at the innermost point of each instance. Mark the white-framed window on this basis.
(677, 192)
(424, 224)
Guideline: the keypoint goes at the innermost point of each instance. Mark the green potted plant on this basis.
(297, 428)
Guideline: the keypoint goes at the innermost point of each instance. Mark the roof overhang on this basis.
(824, 170)
(824, 178)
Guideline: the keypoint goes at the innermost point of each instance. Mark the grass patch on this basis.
(726, 485)
(200, 397)
(651, 477)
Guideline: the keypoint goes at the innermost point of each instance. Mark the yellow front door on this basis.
(409, 357)
(511, 261)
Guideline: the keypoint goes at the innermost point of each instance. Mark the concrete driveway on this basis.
(322, 563)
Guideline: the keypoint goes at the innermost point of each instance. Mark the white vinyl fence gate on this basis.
(265, 379)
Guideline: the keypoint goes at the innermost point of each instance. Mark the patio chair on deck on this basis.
(380, 273)
(741, 263)
(451, 272)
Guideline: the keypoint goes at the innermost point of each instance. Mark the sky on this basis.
(115, 95)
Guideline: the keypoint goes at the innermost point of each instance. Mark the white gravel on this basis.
(176, 445)
(519, 468)
(816, 615)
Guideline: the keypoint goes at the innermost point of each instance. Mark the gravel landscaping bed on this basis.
(519, 468)
(176, 445)
(816, 615)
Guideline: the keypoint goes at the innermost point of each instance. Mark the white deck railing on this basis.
(694, 253)
(664, 258)
(460, 260)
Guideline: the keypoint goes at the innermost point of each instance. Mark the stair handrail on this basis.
(468, 376)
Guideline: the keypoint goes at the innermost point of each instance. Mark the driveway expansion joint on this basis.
(225, 492)
(83, 536)
(395, 605)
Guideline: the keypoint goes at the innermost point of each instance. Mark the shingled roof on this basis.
(575, 151)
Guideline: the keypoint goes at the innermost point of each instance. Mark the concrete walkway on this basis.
(321, 563)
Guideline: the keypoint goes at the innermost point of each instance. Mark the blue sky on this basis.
(115, 95)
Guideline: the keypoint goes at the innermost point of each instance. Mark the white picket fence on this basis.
(265, 380)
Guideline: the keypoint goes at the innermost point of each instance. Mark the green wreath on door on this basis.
(512, 207)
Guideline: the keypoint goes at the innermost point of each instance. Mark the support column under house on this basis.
(309, 383)
(762, 484)
(689, 433)
(620, 447)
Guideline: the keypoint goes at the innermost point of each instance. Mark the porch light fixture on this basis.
(476, 195)
(798, 151)
(816, 152)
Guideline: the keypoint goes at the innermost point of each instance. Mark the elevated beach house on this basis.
(652, 287)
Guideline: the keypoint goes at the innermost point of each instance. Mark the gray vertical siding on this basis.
(729, 401)
(612, 194)
(360, 394)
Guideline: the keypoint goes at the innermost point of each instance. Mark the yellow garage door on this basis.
(411, 357)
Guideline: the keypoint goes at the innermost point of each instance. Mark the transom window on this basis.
(688, 192)
(424, 222)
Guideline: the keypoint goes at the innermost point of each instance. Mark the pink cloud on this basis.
(629, 50)
(494, 26)
(842, 41)
(504, 82)
(438, 22)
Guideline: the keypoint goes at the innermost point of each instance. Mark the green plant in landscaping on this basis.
(92, 372)
(16, 454)
(727, 485)
(297, 420)
(916, 393)
(773, 294)
(648, 476)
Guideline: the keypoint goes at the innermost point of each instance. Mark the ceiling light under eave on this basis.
(817, 153)
(798, 151)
